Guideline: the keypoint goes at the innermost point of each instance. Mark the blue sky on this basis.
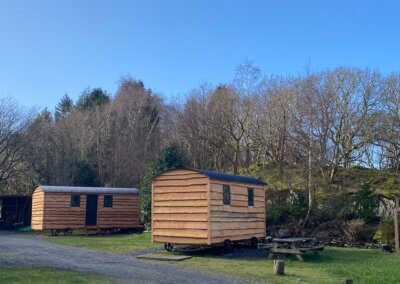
(48, 48)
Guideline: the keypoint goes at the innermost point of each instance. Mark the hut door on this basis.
(91, 210)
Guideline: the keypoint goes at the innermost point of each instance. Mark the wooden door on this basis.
(91, 210)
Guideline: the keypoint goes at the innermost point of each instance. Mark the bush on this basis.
(357, 231)
(366, 204)
(285, 206)
(385, 232)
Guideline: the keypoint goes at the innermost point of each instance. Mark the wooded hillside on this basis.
(305, 132)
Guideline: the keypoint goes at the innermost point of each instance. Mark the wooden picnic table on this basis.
(292, 246)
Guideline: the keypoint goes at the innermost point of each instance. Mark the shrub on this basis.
(366, 204)
(385, 232)
(356, 231)
(285, 206)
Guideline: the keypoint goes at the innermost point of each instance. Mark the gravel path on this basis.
(29, 250)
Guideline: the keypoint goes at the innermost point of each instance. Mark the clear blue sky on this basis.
(48, 48)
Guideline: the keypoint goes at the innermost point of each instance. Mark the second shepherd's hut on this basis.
(65, 208)
(199, 207)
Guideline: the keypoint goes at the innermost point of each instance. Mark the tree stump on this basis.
(347, 281)
(279, 267)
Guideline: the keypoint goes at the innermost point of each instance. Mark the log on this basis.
(279, 267)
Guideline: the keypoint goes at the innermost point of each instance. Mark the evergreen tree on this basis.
(64, 107)
(87, 175)
(168, 158)
(92, 98)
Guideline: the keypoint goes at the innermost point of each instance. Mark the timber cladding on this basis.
(53, 208)
(188, 207)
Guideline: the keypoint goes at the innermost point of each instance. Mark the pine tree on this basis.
(64, 107)
(92, 98)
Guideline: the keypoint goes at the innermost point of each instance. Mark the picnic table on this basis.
(296, 246)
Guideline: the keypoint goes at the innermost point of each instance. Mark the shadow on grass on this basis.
(242, 252)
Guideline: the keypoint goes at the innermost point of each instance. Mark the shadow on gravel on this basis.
(238, 252)
(241, 252)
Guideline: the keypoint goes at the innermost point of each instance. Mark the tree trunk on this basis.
(310, 185)
(236, 158)
(396, 225)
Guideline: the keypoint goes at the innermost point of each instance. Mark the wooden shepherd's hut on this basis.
(64, 208)
(191, 206)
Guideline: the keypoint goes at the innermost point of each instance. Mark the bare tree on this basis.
(13, 123)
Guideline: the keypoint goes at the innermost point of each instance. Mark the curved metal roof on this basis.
(223, 176)
(90, 190)
(230, 177)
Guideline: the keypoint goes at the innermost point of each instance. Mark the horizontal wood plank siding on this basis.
(123, 214)
(180, 208)
(236, 221)
(37, 209)
(58, 213)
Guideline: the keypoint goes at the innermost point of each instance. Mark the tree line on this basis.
(301, 131)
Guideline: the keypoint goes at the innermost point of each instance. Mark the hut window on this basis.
(75, 200)
(227, 194)
(108, 201)
(250, 196)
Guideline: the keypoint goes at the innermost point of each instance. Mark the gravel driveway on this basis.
(29, 250)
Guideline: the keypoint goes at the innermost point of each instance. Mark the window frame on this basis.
(73, 202)
(226, 194)
(106, 205)
(250, 201)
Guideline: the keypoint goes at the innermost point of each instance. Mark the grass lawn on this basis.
(46, 275)
(364, 266)
(110, 243)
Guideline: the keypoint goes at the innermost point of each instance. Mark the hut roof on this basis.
(90, 190)
(226, 177)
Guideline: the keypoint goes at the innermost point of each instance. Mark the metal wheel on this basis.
(254, 242)
(168, 246)
(227, 245)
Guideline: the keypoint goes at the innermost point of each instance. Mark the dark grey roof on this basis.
(229, 177)
(226, 177)
(81, 189)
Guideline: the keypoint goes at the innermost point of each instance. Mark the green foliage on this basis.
(388, 185)
(168, 158)
(366, 203)
(92, 98)
(87, 175)
(293, 209)
(385, 232)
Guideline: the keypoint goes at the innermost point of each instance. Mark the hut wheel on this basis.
(168, 246)
(227, 245)
(254, 242)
